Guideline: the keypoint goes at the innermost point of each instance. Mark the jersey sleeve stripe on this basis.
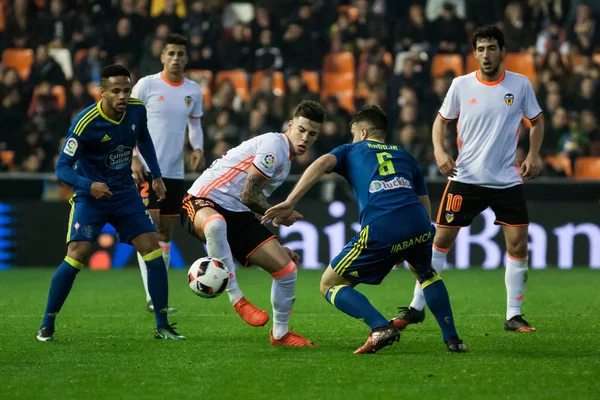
(228, 176)
(260, 172)
(446, 119)
(134, 99)
(536, 117)
(85, 121)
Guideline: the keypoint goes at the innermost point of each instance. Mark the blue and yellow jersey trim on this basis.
(354, 253)
(85, 120)
(136, 102)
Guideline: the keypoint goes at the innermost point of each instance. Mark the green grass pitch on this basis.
(104, 347)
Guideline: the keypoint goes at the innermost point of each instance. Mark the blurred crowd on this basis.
(393, 44)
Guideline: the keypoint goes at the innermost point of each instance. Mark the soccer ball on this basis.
(208, 277)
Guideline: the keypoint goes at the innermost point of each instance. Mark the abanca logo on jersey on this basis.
(119, 158)
(395, 183)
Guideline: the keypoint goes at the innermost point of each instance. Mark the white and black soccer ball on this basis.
(208, 277)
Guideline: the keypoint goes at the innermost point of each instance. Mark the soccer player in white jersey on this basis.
(488, 105)
(224, 206)
(173, 103)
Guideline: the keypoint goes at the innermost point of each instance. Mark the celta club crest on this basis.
(449, 217)
(188, 100)
(509, 99)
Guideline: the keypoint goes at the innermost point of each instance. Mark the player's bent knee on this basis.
(289, 272)
(445, 237)
(79, 251)
(213, 227)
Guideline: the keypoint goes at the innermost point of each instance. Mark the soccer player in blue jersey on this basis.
(96, 162)
(395, 218)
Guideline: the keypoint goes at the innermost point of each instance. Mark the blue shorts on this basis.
(126, 212)
(380, 245)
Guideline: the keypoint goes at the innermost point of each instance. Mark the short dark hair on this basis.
(375, 116)
(489, 32)
(175, 38)
(311, 110)
(113, 70)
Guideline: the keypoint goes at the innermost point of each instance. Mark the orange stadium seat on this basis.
(278, 81)
(587, 168)
(521, 64)
(79, 56)
(21, 59)
(2, 23)
(339, 62)
(239, 80)
(203, 77)
(514, 62)
(447, 62)
(8, 158)
(311, 80)
(58, 91)
(334, 83)
(388, 59)
(206, 98)
(561, 163)
(346, 100)
(94, 91)
(471, 64)
(351, 11)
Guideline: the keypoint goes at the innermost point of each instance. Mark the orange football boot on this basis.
(253, 315)
(291, 339)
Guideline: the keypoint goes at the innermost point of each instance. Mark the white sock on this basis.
(144, 271)
(215, 231)
(166, 252)
(515, 278)
(283, 294)
(438, 259)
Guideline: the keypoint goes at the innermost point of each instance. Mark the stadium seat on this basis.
(471, 64)
(514, 62)
(587, 168)
(278, 81)
(447, 62)
(339, 62)
(596, 58)
(2, 23)
(560, 163)
(206, 98)
(239, 78)
(521, 64)
(311, 80)
(58, 91)
(94, 91)
(79, 56)
(8, 158)
(388, 59)
(203, 77)
(346, 100)
(157, 7)
(351, 11)
(334, 83)
(21, 59)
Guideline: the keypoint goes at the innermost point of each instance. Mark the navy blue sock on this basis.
(355, 304)
(158, 286)
(436, 297)
(61, 285)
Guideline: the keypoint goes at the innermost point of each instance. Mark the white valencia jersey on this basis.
(223, 181)
(169, 106)
(489, 115)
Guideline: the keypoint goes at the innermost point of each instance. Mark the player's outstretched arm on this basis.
(323, 165)
(444, 161)
(532, 165)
